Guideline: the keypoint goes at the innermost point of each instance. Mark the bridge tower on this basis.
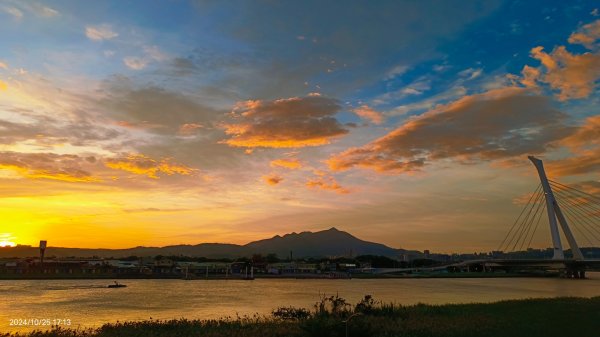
(554, 214)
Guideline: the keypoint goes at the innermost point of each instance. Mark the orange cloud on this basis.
(585, 162)
(141, 125)
(586, 135)
(47, 166)
(143, 165)
(189, 129)
(498, 124)
(587, 35)
(272, 179)
(3, 86)
(366, 112)
(585, 144)
(326, 183)
(288, 163)
(284, 123)
(530, 76)
(42, 174)
(573, 75)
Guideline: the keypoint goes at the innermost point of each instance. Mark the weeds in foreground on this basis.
(330, 318)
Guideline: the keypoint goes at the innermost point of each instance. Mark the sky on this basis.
(130, 123)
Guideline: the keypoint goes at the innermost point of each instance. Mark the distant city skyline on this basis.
(128, 124)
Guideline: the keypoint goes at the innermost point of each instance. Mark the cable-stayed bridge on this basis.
(569, 213)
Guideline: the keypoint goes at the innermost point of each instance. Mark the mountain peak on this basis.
(327, 242)
(330, 242)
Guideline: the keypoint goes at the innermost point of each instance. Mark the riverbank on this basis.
(532, 317)
(271, 276)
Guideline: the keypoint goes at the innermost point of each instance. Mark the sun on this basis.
(7, 244)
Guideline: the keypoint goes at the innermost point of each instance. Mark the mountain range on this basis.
(326, 243)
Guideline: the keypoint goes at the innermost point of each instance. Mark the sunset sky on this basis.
(129, 123)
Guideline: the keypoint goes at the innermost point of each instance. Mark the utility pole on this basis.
(43, 244)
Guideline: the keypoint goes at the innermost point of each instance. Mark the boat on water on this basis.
(117, 285)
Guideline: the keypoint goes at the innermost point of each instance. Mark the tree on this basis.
(272, 258)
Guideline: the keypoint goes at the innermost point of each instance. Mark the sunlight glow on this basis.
(7, 244)
(6, 240)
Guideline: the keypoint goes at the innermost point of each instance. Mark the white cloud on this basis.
(20, 8)
(429, 103)
(47, 11)
(470, 73)
(155, 53)
(441, 67)
(417, 87)
(411, 91)
(151, 53)
(37, 9)
(15, 12)
(100, 32)
(396, 71)
(135, 63)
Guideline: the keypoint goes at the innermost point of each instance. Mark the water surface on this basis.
(88, 303)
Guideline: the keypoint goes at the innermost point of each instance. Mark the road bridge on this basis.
(571, 213)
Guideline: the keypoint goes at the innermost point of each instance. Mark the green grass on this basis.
(528, 318)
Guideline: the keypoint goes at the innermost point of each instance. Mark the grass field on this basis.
(528, 318)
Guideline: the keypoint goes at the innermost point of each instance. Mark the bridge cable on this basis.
(523, 226)
(537, 224)
(530, 224)
(581, 204)
(519, 229)
(580, 214)
(575, 220)
(585, 221)
(526, 222)
(577, 190)
(519, 217)
(571, 198)
(593, 203)
(591, 209)
(576, 227)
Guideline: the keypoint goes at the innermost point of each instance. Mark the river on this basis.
(88, 303)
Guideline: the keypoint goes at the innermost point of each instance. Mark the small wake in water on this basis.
(91, 286)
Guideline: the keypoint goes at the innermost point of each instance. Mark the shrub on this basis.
(366, 305)
(332, 306)
(291, 313)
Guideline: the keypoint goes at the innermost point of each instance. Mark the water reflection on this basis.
(89, 303)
